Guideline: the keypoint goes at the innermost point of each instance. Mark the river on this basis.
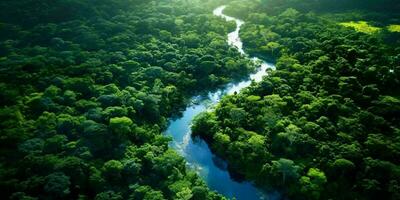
(195, 150)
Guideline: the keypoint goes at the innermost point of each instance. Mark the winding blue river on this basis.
(196, 152)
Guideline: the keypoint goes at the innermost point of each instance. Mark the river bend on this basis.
(196, 152)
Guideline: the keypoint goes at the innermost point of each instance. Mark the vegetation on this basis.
(361, 26)
(325, 123)
(86, 88)
(364, 27)
(394, 28)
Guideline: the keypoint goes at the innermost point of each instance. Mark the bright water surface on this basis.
(196, 152)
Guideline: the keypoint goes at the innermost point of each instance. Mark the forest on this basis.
(325, 123)
(88, 88)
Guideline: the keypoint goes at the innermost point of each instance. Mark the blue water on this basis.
(196, 152)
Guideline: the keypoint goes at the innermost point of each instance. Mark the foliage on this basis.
(325, 123)
(86, 88)
(361, 26)
(394, 28)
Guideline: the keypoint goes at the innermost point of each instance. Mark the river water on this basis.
(196, 152)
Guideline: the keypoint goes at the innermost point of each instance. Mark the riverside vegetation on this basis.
(86, 88)
(325, 123)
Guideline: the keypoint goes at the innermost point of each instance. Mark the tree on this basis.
(199, 193)
(289, 13)
(191, 40)
(288, 170)
(34, 145)
(132, 169)
(203, 124)
(343, 166)
(96, 181)
(313, 183)
(96, 136)
(169, 160)
(184, 194)
(55, 144)
(112, 169)
(121, 125)
(154, 195)
(292, 133)
(57, 185)
(109, 100)
(271, 48)
(108, 195)
(238, 116)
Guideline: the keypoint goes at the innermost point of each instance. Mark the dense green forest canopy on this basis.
(33, 12)
(386, 6)
(86, 88)
(325, 123)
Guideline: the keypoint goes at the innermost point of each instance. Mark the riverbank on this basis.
(196, 151)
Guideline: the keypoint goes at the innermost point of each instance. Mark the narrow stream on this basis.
(196, 152)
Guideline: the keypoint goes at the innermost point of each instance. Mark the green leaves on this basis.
(87, 94)
(343, 166)
(313, 183)
(121, 125)
(286, 168)
(324, 124)
(57, 184)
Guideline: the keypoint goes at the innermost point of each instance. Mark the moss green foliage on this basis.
(386, 6)
(361, 26)
(86, 88)
(325, 123)
(394, 28)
